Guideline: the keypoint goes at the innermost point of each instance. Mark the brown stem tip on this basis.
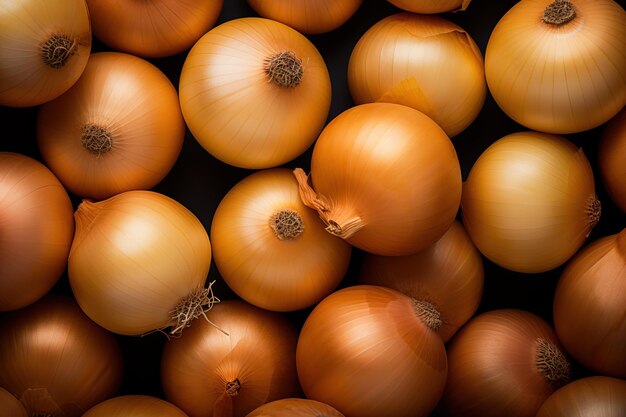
(284, 69)
(232, 387)
(594, 212)
(558, 13)
(57, 50)
(287, 224)
(552, 364)
(428, 313)
(96, 139)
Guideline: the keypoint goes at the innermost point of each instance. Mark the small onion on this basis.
(11, 406)
(529, 201)
(119, 128)
(371, 351)
(139, 262)
(271, 249)
(295, 407)
(431, 6)
(208, 373)
(36, 229)
(134, 406)
(590, 306)
(448, 274)
(559, 66)
(385, 177)
(503, 363)
(612, 158)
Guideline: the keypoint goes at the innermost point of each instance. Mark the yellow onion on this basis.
(611, 157)
(55, 360)
(295, 407)
(134, 406)
(36, 229)
(503, 363)
(208, 373)
(559, 66)
(119, 128)
(529, 201)
(307, 16)
(43, 49)
(371, 351)
(449, 275)
(384, 177)
(152, 28)
(11, 406)
(254, 92)
(589, 306)
(420, 61)
(271, 249)
(431, 6)
(139, 262)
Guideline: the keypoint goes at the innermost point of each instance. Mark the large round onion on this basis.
(134, 406)
(295, 407)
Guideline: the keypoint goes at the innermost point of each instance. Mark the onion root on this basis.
(284, 69)
(287, 224)
(552, 363)
(194, 305)
(96, 139)
(558, 13)
(57, 50)
(428, 314)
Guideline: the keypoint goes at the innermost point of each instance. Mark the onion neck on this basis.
(96, 139)
(428, 314)
(552, 363)
(286, 224)
(57, 50)
(284, 69)
(232, 387)
(559, 13)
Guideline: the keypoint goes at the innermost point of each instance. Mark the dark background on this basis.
(199, 181)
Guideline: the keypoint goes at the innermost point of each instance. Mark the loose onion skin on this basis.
(295, 407)
(559, 77)
(56, 360)
(271, 249)
(240, 64)
(208, 373)
(420, 61)
(448, 274)
(43, 50)
(431, 6)
(36, 230)
(119, 128)
(10, 406)
(611, 157)
(364, 351)
(529, 201)
(152, 28)
(589, 307)
(134, 406)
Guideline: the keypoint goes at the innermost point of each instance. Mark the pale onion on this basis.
(590, 306)
(208, 373)
(36, 230)
(587, 397)
(420, 61)
(11, 406)
(271, 249)
(119, 128)
(139, 262)
(503, 363)
(152, 28)
(308, 16)
(431, 6)
(449, 275)
(529, 201)
(55, 360)
(384, 177)
(254, 92)
(295, 407)
(134, 406)
(559, 66)
(612, 157)
(44, 48)
(371, 351)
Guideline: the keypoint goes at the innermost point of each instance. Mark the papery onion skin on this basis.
(36, 230)
(224, 80)
(258, 354)
(587, 397)
(11, 406)
(295, 407)
(589, 306)
(155, 28)
(364, 351)
(611, 157)
(529, 201)
(136, 105)
(274, 273)
(420, 61)
(135, 406)
(431, 6)
(30, 75)
(134, 258)
(559, 79)
(57, 361)
(449, 275)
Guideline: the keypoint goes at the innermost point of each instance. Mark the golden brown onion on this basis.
(611, 157)
(295, 407)
(431, 6)
(134, 406)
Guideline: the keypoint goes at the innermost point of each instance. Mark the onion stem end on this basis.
(57, 50)
(286, 224)
(552, 363)
(558, 13)
(284, 69)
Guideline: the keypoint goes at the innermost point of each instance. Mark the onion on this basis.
(295, 407)
(589, 306)
(424, 62)
(119, 128)
(449, 275)
(431, 6)
(254, 92)
(139, 262)
(271, 249)
(529, 201)
(372, 351)
(308, 16)
(43, 49)
(10, 405)
(211, 374)
(384, 177)
(587, 397)
(503, 363)
(134, 406)
(611, 157)
(559, 66)
(36, 229)
(55, 360)
(152, 28)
